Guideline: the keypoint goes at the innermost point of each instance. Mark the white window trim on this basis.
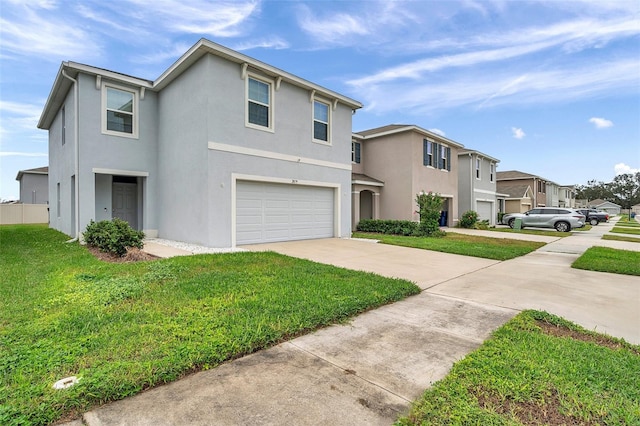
(270, 83)
(478, 168)
(431, 143)
(492, 172)
(353, 152)
(136, 111)
(313, 119)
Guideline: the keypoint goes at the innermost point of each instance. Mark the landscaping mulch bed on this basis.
(133, 255)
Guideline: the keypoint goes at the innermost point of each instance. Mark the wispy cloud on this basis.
(437, 132)
(27, 29)
(518, 133)
(622, 168)
(265, 43)
(22, 154)
(19, 115)
(600, 123)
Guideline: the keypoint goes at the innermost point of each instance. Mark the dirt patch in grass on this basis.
(598, 339)
(530, 413)
(133, 255)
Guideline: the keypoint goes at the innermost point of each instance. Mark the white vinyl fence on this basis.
(11, 214)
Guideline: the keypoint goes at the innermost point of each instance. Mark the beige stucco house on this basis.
(392, 164)
(518, 197)
(539, 187)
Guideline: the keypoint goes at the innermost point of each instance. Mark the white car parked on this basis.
(563, 220)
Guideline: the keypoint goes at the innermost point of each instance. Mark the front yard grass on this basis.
(537, 369)
(538, 231)
(626, 230)
(122, 328)
(621, 238)
(466, 245)
(605, 259)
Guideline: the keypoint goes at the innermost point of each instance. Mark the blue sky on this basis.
(551, 88)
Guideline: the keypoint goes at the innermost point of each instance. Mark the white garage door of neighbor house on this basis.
(484, 211)
(270, 212)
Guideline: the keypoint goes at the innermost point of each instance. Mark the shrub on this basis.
(430, 206)
(113, 236)
(393, 227)
(469, 219)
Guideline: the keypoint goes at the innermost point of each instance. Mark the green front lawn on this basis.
(537, 231)
(466, 245)
(537, 369)
(621, 238)
(626, 230)
(123, 328)
(605, 259)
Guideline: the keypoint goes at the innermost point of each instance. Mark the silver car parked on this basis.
(562, 219)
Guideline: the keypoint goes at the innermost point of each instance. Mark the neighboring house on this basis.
(567, 196)
(538, 186)
(220, 150)
(34, 185)
(518, 198)
(477, 188)
(553, 194)
(394, 163)
(607, 206)
(636, 209)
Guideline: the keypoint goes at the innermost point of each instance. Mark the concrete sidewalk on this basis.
(369, 371)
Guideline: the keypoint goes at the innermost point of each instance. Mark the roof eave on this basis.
(417, 129)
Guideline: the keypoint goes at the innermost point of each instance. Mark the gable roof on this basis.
(391, 129)
(62, 84)
(36, 171)
(599, 202)
(516, 174)
(513, 191)
(478, 153)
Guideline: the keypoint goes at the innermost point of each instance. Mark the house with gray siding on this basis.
(220, 150)
(34, 185)
(477, 189)
(394, 163)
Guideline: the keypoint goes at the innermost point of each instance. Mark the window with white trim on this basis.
(478, 162)
(492, 169)
(321, 117)
(427, 155)
(120, 111)
(259, 103)
(445, 157)
(356, 149)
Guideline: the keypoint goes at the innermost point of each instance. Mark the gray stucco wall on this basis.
(34, 188)
(61, 170)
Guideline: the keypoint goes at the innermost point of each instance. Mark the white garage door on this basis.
(269, 212)
(484, 211)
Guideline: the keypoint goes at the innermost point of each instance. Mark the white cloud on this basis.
(518, 133)
(267, 43)
(437, 132)
(622, 169)
(22, 154)
(601, 123)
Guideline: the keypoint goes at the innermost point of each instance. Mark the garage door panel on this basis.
(484, 211)
(268, 212)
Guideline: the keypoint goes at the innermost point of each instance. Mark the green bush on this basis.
(468, 219)
(391, 227)
(113, 236)
(429, 208)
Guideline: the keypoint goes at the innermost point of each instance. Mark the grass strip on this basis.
(537, 369)
(466, 245)
(620, 238)
(126, 327)
(605, 259)
(535, 232)
(625, 230)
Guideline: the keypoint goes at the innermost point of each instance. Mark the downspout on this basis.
(76, 154)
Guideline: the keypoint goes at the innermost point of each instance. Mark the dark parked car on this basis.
(594, 216)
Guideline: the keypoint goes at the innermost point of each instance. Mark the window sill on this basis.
(258, 127)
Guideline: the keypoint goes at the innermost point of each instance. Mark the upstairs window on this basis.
(355, 152)
(492, 169)
(120, 111)
(64, 125)
(259, 110)
(427, 147)
(320, 121)
(445, 158)
(478, 161)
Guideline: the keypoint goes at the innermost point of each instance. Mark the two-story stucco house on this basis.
(392, 164)
(219, 150)
(538, 186)
(477, 189)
